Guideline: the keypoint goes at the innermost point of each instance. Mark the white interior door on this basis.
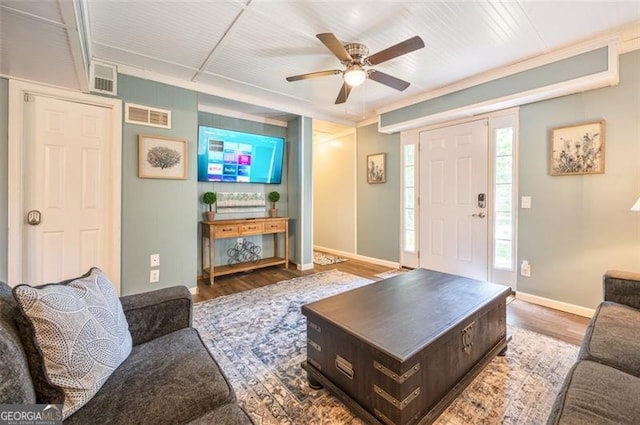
(66, 172)
(453, 223)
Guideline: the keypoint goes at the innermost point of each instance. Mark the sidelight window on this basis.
(409, 204)
(503, 225)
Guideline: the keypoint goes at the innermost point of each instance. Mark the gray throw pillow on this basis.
(80, 331)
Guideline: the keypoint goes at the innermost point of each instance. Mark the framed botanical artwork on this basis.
(376, 171)
(577, 149)
(162, 157)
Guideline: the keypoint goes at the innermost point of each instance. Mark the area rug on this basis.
(324, 259)
(259, 339)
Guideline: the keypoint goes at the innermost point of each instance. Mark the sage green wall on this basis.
(581, 65)
(300, 195)
(158, 215)
(334, 193)
(580, 226)
(305, 182)
(293, 138)
(266, 242)
(378, 215)
(4, 184)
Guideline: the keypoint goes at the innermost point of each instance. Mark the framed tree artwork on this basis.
(376, 171)
(577, 149)
(162, 157)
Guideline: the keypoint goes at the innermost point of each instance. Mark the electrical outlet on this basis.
(154, 276)
(525, 268)
(240, 241)
(525, 202)
(154, 260)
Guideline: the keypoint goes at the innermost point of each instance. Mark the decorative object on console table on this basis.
(577, 149)
(162, 157)
(376, 168)
(241, 202)
(273, 198)
(210, 198)
(244, 252)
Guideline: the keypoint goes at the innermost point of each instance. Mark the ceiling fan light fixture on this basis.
(354, 57)
(354, 75)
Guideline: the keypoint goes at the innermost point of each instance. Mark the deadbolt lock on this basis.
(33, 217)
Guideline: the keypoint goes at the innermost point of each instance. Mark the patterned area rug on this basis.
(259, 339)
(324, 259)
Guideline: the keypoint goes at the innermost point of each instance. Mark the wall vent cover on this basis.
(146, 115)
(104, 78)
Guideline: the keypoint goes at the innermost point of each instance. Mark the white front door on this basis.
(66, 186)
(453, 181)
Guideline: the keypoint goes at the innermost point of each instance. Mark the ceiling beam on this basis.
(32, 16)
(223, 40)
(73, 23)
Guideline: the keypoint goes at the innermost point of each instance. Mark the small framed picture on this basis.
(577, 149)
(162, 157)
(376, 171)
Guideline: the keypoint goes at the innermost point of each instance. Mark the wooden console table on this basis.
(238, 228)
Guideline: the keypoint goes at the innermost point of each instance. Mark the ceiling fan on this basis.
(355, 58)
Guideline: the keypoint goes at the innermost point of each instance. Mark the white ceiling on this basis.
(243, 49)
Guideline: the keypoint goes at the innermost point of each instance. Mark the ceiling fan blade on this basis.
(336, 47)
(314, 75)
(388, 80)
(344, 94)
(407, 46)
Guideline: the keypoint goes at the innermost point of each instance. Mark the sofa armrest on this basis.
(622, 287)
(153, 314)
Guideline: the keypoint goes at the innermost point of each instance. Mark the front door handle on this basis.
(480, 215)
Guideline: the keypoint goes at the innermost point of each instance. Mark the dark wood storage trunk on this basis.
(398, 351)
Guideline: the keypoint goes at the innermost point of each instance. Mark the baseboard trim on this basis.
(557, 305)
(194, 290)
(304, 267)
(391, 264)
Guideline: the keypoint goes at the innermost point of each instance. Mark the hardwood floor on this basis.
(230, 284)
(557, 324)
(547, 321)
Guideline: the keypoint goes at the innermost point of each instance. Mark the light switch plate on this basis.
(525, 202)
(154, 260)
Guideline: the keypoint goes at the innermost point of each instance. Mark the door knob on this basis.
(480, 215)
(33, 217)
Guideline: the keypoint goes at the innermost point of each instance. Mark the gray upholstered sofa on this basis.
(603, 387)
(169, 377)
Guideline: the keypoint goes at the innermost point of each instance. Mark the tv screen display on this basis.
(235, 157)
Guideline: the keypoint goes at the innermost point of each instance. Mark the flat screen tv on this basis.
(235, 157)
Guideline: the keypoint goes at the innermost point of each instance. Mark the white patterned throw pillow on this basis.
(81, 332)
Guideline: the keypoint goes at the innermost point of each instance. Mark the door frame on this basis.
(411, 136)
(17, 91)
